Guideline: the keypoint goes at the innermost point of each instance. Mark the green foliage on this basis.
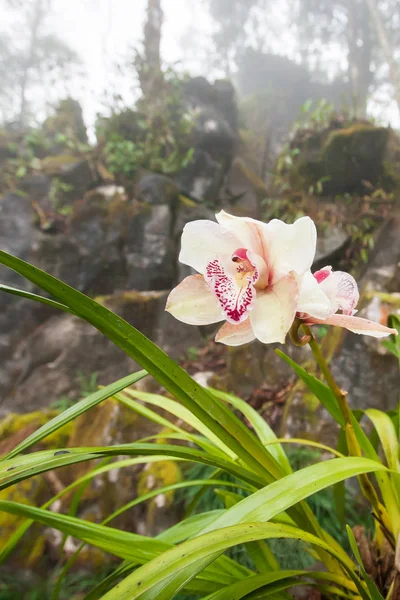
(156, 137)
(316, 114)
(23, 587)
(259, 498)
(393, 344)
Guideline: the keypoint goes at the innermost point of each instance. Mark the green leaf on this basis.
(12, 541)
(390, 485)
(192, 555)
(254, 510)
(387, 435)
(36, 297)
(261, 427)
(211, 412)
(394, 322)
(28, 465)
(373, 590)
(241, 589)
(179, 411)
(339, 489)
(130, 546)
(74, 411)
(319, 389)
(277, 497)
(120, 543)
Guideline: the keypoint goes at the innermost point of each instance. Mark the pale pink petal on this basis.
(193, 302)
(312, 298)
(322, 274)
(290, 247)
(357, 325)
(235, 335)
(249, 231)
(275, 309)
(202, 241)
(341, 288)
(234, 291)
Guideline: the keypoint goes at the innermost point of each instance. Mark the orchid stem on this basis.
(351, 438)
(339, 394)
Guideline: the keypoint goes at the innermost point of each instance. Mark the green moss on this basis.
(53, 165)
(67, 120)
(158, 475)
(14, 423)
(31, 492)
(339, 160)
(129, 298)
(354, 154)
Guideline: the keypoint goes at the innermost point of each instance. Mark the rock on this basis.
(17, 236)
(341, 158)
(331, 245)
(243, 190)
(226, 102)
(76, 178)
(363, 367)
(51, 361)
(151, 251)
(214, 135)
(353, 155)
(215, 117)
(37, 187)
(201, 178)
(67, 122)
(157, 189)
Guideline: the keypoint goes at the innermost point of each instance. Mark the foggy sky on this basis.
(104, 33)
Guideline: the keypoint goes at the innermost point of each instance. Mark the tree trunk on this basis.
(34, 26)
(386, 45)
(149, 63)
(359, 55)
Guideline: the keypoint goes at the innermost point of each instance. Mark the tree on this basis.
(385, 42)
(35, 60)
(341, 28)
(231, 17)
(148, 62)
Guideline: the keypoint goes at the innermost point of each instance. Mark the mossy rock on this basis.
(157, 475)
(56, 165)
(32, 493)
(127, 125)
(354, 155)
(342, 159)
(15, 427)
(68, 121)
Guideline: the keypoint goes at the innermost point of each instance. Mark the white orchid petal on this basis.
(235, 335)
(358, 325)
(234, 291)
(275, 309)
(291, 247)
(341, 288)
(248, 231)
(202, 240)
(193, 302)
(312, 298)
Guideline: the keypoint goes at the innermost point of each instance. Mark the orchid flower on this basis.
(342, 291)
(254, 276)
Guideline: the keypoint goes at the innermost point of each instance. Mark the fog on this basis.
(103, 36)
